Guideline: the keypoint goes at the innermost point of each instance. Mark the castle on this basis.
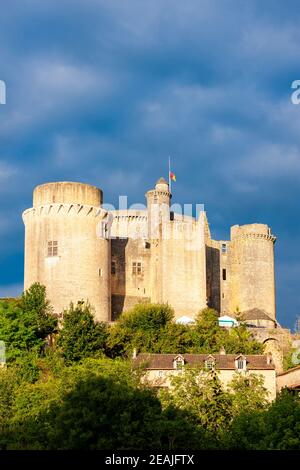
(118, 258)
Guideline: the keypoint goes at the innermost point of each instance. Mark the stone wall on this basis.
(77, 266)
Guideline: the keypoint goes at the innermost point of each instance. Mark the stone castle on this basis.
(118, 258)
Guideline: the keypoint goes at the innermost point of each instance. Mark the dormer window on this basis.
(210, 363)
(240, 363)
(178, 362)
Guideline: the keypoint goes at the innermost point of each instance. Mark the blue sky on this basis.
(103, 91)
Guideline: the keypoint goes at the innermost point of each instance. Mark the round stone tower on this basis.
(252, 268)
(66, 246)
(158, 206)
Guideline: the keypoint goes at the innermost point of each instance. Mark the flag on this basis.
(172, 176)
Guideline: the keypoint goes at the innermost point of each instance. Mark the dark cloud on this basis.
(103, 92)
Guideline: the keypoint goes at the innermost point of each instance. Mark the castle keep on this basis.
(115, 259)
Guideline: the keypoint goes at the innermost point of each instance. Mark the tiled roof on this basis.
(255, 314)
(222, 361)
(289, 370)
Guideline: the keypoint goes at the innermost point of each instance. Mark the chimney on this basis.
(134, 354)
(222, 351)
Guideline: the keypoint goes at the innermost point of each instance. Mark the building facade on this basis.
(116, 259)
(160, 368)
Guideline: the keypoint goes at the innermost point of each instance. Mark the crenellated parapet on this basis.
(263, 236)
(65, 210)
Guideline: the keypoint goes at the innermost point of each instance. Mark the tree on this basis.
(211, 337)
(34, 300)
(140, 328)
(201, 394)
(26, 323)
(247, 431)
(80, 336)
(282, 421)
(248, 393)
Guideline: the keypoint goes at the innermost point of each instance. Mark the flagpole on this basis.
(170, 183)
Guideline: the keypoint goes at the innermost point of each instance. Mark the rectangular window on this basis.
(224, 248)
(224, 274)
(136, 268)
(52, 248)
(113, 268)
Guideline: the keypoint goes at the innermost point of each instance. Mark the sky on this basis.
(103, 92)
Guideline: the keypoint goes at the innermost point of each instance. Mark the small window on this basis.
(224, 248)
(113, 268)
(100, 272)
(136, 268)
(160, 373)
(224, 274)
(178, 363)
(209, 364)
(52, 248)
(241, 363)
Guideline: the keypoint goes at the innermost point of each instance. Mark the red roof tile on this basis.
(222, 361)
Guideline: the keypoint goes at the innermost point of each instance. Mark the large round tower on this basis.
(252, 268)
(66, 246)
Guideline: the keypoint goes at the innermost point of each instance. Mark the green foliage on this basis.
(72, 397)
(201, 394)
(276, 427)
(212, 409)
(34, 300)
(247, 431)
(25, 323)
(248, 393)
(149, 328)
(80, 336)
(141, 328)
(289, 358)
(147, 317)
(282, 423)
(98, 404)
(212, 338)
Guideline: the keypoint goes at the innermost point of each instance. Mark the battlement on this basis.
(117, 258)
(65, 210)
(258, 231)
(67, 192)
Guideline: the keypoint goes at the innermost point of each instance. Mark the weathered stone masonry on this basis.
(116, 259)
